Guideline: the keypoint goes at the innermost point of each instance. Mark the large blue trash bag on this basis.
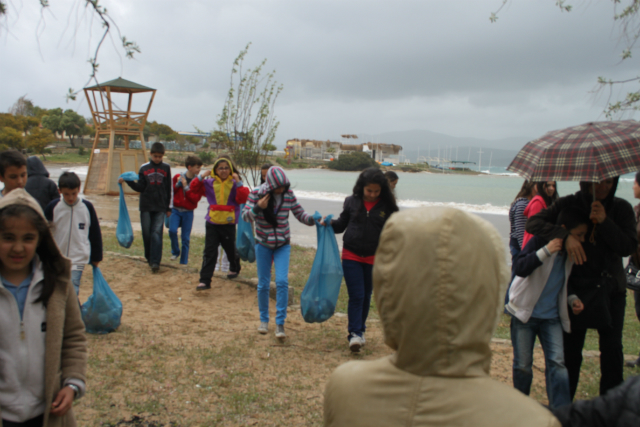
(103, 310)
(124, 232)
(320, 295)
(245, 242)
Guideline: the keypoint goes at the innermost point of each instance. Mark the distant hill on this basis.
(426, 144)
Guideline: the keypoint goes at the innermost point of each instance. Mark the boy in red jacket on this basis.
(182, 211)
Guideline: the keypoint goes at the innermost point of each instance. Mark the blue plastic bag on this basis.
(103, 310)
(320, 295)
(245, 242)
(124, 232)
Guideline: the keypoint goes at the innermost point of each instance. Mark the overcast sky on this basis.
(347, 66)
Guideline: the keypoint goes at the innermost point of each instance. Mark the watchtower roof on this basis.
(121, 85)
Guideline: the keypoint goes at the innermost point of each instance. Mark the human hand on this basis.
(554, 246)
(120, 180)
(323, 221)
(183, 180)
(577, 306)
(168, 214)
(95, 263)
(63, 402)
(597, 212)
(206, 174)
(575, 250)
(264, 202)
(236, 177)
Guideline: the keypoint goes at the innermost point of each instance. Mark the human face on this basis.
(392, 184)
(636, 190)
(278, 190)
(223, 170)
(263, 172)
(157, 158)
(14, 177)
(193, 170)
(602, 189)
(550, 188)
(18, 243)
(371, 192)
(70, 195)
(579, 232)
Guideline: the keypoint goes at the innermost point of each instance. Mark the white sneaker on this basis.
(363, 340)
(263, 328)
(174, 257)
(355, 342)
(280, 335)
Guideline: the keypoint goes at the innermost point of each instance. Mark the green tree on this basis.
(69, 122)
(11, 138)
(626, 14)
(357, 161)
(247, 121)
(39, 139)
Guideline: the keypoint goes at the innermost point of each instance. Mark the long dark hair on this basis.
(541, 186)
(269, 213)
(525, 191)
(47, 250)
(374, 175)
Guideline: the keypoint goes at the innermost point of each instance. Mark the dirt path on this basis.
(195, 358)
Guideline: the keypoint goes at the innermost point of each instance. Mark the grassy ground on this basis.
(299, 267)
(69, 156)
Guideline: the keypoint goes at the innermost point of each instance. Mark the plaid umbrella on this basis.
(591, 152)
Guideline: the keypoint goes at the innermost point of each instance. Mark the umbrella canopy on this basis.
(591, 152)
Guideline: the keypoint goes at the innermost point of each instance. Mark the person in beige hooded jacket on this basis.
(43, 353)
(439, 280)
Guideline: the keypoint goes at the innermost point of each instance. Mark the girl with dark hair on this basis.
(517, 218)
(268, 206)
(393, 179)
(43, 349)
(539, 202)
(363, 216)
(551, 190)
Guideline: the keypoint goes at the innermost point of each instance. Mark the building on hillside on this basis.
(326, 150)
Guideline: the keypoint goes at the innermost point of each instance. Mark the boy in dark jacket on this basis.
(154, 186)
(182, 212)
(41, 188)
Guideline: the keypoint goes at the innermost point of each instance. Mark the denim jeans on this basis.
(523, 337)
(76, 275)
(280, 258)
(182, 220)
(152, 224)
(359, 281)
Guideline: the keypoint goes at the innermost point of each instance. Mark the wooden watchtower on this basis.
(111, 120)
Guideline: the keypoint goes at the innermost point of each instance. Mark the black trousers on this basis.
(610, 343)
(224, 235)
(33, 422)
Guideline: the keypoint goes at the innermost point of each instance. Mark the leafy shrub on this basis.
(353, 162)
(81, 151)
(206, 157)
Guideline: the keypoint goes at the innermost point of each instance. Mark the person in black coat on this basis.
(620, 407)
(39, 186)
(611, 236)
